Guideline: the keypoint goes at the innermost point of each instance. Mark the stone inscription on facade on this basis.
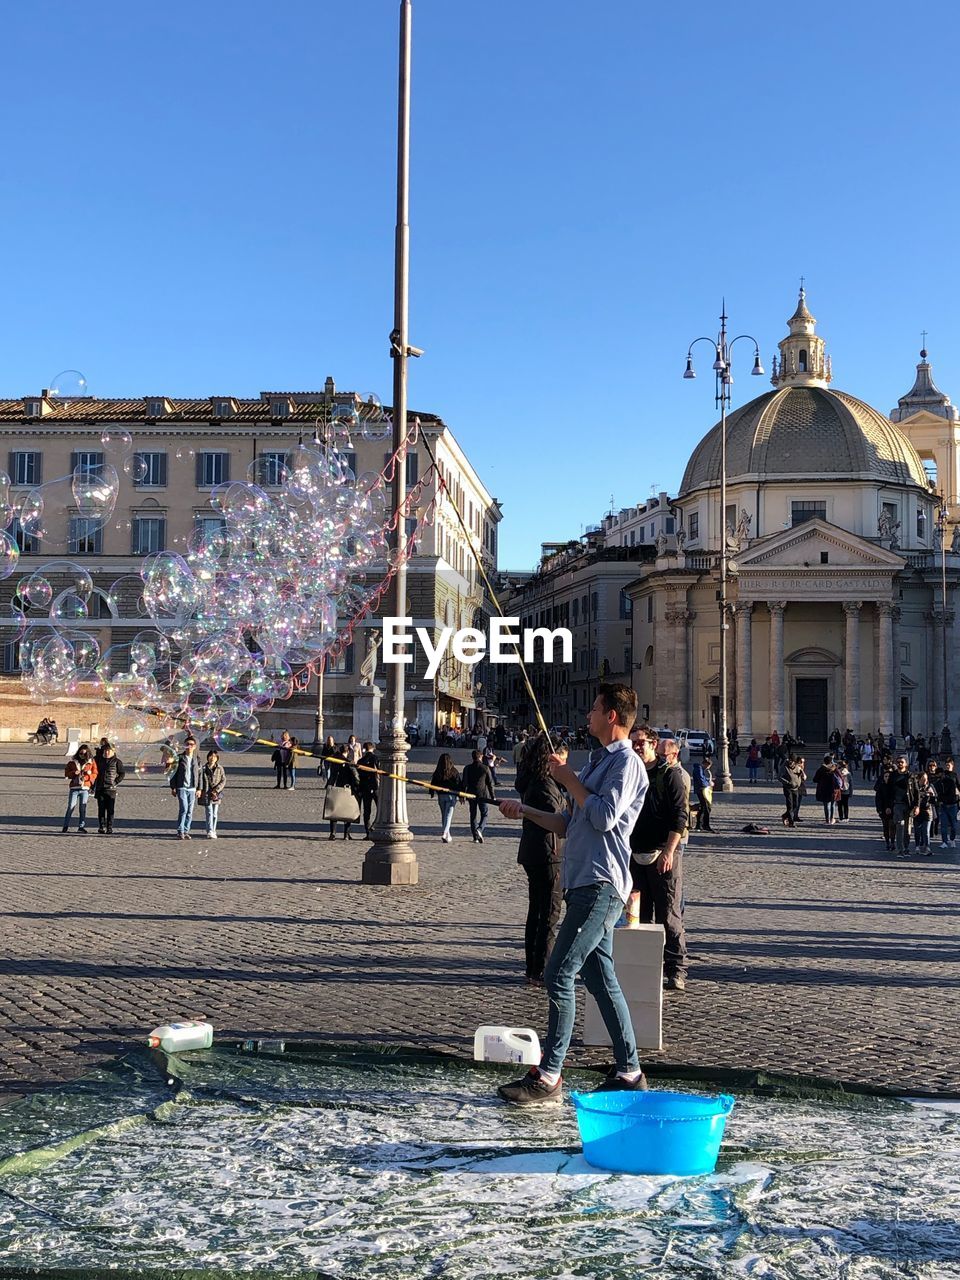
(800, 585)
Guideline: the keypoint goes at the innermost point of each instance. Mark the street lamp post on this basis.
(942, 530)
(391, 859)
(723, 382)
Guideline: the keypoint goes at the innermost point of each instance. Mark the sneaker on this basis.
(531, 1089)
(944, 845)
(101, 831)
(675, 983)
(181, 836)
(479, 837)
(615, 1084)
(81, 831)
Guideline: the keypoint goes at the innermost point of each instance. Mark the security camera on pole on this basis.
(724, 381)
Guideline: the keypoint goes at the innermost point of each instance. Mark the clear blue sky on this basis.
(199, 199)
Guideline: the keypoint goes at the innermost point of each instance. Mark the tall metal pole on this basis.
(943, 596)
(724, 781)
(318, 727)
(391, 858)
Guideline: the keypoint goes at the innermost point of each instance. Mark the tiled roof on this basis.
(180, 411)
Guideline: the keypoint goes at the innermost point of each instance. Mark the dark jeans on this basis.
(585, 945)
(661, 896)
(368, 802)
(792, 797)
(288, 775)
(105, 807)
(476, 828)
(843, 807)
(545, 889)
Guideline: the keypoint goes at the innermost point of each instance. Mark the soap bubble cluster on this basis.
(264, 591)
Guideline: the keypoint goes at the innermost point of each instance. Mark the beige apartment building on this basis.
(581, 585)
(182, 449)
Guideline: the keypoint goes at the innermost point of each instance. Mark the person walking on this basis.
(844, 789)
(606, 797)
(353, 750)
(478, 781)
(904, 804)
(280, 759)
(883, 797)
(791, 779)
(184, 784)
(701, 775)
(867, 760)
(446, 776)
(948, 793)
(290, 765)
(656, 854)
(330, 752)
(344, 778)
(213, 779)
(367, 767)
(753, 760)
(81, 774)
(926, 805)
(825, 783)
(110, 773)
(540, 855)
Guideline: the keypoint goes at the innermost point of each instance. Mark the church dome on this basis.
(810, 433)
(804, 430)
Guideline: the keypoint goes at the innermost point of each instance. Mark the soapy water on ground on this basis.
(337, 1165)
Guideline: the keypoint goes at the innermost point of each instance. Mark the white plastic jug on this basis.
(178, 1037)
(506, 1044)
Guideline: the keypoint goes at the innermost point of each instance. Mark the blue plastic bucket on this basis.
(652, 1131)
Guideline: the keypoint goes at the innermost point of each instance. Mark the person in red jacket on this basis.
(81, 773)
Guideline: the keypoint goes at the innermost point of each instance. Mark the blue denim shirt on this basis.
(598, 834)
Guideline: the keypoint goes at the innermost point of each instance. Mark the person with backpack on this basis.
(81, 773)
(825, 782)
(753, 760)
(701, 775)
(110, 773)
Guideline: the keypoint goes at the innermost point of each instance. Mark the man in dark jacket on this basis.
(184, 783)
(110, 773)
(478, 781)
(656, 854)
(903, 799)
(369, 784)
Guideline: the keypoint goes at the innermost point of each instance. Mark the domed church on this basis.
(836, 610)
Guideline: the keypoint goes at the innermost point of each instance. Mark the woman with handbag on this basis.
(213, 779)
(81, 773)
(540, 856)
(341, 800)
(447, 777)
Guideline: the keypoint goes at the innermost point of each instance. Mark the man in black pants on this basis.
(478, 780)
(656, 860)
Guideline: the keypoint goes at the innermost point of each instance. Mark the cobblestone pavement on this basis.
(812, 950)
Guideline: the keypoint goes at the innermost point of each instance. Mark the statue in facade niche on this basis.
(368, 667)
(955, 541)
(661, 544)
(888, 527)
(744, 522)
(681, 539)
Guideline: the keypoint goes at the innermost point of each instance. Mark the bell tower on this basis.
(802, 362)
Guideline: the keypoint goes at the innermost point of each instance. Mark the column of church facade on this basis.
(676, 691)
(776, 608)
(851, 663)
(743, 613)
(885, 666)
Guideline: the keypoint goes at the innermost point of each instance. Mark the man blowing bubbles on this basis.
(606, 797)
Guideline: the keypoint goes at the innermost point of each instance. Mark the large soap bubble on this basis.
(266, 589)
